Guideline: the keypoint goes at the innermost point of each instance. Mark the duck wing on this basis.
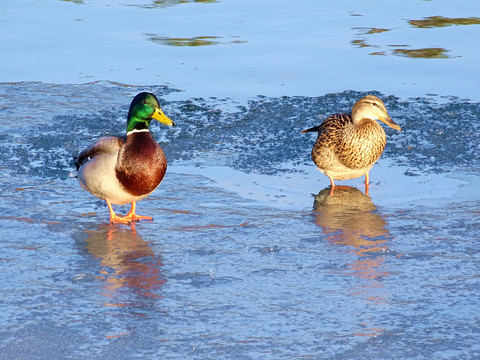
(104, 145)
(330, 134)
(331, 130)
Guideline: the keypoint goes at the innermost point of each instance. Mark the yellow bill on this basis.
(160, 116)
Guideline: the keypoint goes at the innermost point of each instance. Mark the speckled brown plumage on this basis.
(339, 142)
(347, 146)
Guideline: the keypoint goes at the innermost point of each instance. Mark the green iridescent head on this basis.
(143, 109)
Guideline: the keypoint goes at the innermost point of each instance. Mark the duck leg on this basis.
(332, 186)
(366, 183)
(134, 217)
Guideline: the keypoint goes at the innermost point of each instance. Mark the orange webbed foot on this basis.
(134, 217)
(115, 219)
(130, 218)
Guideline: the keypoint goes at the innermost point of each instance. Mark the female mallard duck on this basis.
(122, 170)
(348, 145)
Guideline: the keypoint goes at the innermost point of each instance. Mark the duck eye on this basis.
(144, 101)
(375, 104)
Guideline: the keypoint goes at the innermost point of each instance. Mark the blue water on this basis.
(247, 257)
(267, 48)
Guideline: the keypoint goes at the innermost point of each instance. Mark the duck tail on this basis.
(313, 129)
(75, 161)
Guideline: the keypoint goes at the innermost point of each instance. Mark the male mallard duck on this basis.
(348, 145)
(123, 170)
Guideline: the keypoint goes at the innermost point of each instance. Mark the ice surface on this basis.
(241, 260)
(246, 258)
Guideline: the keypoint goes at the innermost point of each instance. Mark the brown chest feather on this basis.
(141, 164)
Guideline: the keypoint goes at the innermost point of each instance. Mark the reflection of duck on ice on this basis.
(128, 261)
(349, 217)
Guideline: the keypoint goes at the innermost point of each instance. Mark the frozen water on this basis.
(241, 261)
(247, 258)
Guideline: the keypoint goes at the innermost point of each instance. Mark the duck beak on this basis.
(388, 120)
(160, 116)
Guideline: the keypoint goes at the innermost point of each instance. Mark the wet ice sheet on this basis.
(287, 190)
(240, 261)
(215, 275)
